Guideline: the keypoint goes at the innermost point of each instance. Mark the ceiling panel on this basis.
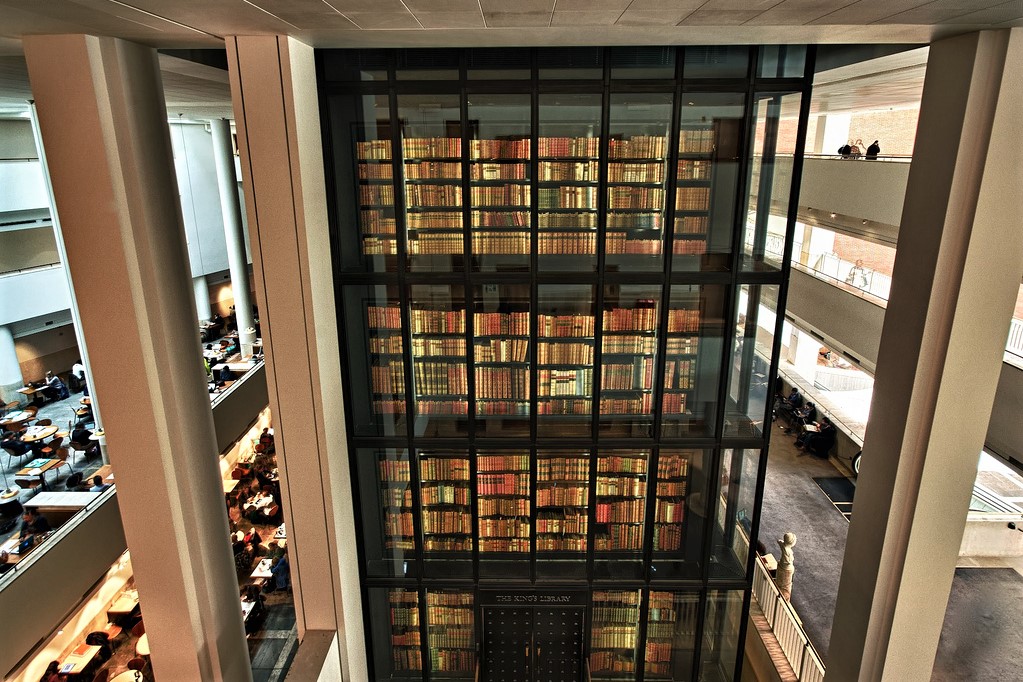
(417, 6)
(592, 5)
(649, 17)
(704, 17)
(1010, 11)
(383, 20)
(518, 6)
(739, 5)
(584, 18)
(518, 19)
(319, 15)
(783, 17)
(451, 19)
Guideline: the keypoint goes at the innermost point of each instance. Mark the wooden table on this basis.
(37, 433)
(30, 392)
(38, 467)
(61, 501)
(124, 604)
(106, 472)
(142, 646)
(262, 570)
(16, 417)
(79, 659)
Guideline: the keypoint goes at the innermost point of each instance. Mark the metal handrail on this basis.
(890, 158)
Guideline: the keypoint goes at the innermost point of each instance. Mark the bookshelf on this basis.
(620, 513)
(449, 620)
(501, 332)
(439, 364)
(406, 651)
(670, 635)
(628, 358)
(564, 359)
(696, 144)
(681, 358)
(503, 507)
(395, 492)
(562, 512)
(669, 508)
(386, 360)
(445, 494)
(614, 634)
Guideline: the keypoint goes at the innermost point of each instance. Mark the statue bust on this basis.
(785, 545)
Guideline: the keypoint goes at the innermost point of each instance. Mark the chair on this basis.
(137, 663)
(44, 422)
(62, 455)
(52, 447)
(139, 629)
(32, 410)
(74, 481)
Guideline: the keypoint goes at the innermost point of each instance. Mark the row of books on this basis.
(627, 406)
(482, 219)
(442, 406)
(375, 221)
(613, 636)
(623, 597)
(375, 171)
(692, 199)
(501, 195)
(693, 169)
(445, 494)
(682, 345)
(621, 486)
(673, 403)
(376, 195)
(689, 247)
(635, 172)
(635, 221)
(402, 544)
(433, 195)
(620, 244)
(502, 484)
(566, 244)
(671, 488)
(398, 524)
(625, 511)
(452, 660)
(446, 522)
(452, 638)
(643, 317)
(383, 317)
(437, 543)
(389, 406)
(444, 469)
(374, 246)
(499, 149)
(684, 377)
(564, 382)
(504, 544)
(563, 468)
(436, 244)
(667, 538)
(626, 345)
(503, 408)
(620, 536)
(396, 497)
(696, 141)
(547, 543)
(439, 220)
(637, 376)
(451, 346)
(498, 350)
(373, 149)
(497, 382)
(441, 610)
(431, 147)
(651, 198)
(569, 171)
(562, 220)
(433, 170)
(566, 197)
(386, 345)
(569, 146)
(518, 462)
(575, 524)
(672, 466)
(437, 321)
(511, 527)
(638, 147)
(683, 320)
(563, 406)
(610, 662)
(564, 353)
(501, 324)
(394, 470)
(504, 506)
(498, 171)
(560, 326)
(440, 378)
(669, 512)
(572, 496)
(498, 242)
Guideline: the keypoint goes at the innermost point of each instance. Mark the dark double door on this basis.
(533, 643)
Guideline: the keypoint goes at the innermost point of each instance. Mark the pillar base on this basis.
(9, 394)
(246, 337)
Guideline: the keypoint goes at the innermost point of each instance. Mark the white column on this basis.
(273, 86)
(832, 132)
(805, 356)
(10, 369)
(202, 298)
(104, 126)
(227, 183)
(956, 277)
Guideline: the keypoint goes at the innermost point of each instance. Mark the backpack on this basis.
(844, 150)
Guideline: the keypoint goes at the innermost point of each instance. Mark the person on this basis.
(33, 523)
(55, 388)
(52, 673)
(78, 369)
(873, 150)
(266, 439)
(226, 374)
(857, 275)
(845, 150)
(98, 485)
(281, 573)
(819, 443)
(81, 435)
(14, 445)
(857, 149)
(807, 414)
(787, 406)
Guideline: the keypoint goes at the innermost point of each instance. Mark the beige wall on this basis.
(53, 349)
(222, 296)
(23, 249)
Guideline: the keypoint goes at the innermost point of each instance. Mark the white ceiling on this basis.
(398, 23)
(891, 82)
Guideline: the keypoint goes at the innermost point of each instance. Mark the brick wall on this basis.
(875, 256)
(894, 130)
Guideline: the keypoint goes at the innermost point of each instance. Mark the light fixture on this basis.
(833, 215)
(864, 222)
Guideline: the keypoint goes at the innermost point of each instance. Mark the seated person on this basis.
(5, 562)
(807, 414)
(55, 388)
(252, 537)
(81, 435)
(275, 550)
(281, 573)
(34, 523)
(14, 445)
(819, 443)
(226, 374)
(266, 439)
(98, 485)
(786, 407)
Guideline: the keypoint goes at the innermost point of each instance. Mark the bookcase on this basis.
(670, 635)
(614, 634)
(449, 617)
(504, 508)
(620, 513)
(550, 281)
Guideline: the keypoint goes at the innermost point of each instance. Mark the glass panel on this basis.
(427, 64)
(431, 146)
(502, 491)
(449, 617)
(388, 538)
(628, 357)
(562, 516)
(636, 180)
(782, 61)
(716, 61)
(709, 158)
(376, 366)
(499, 171)
(748, 390)
(564, 360)
(445, 496)
(394, 619)
(614, 636)
(367, 237)
(501, 351)
(734, 513)
(671, 636)
(498, 63)
(680, 513)
(642, 62)
(720, 648)
(568, 175)
(692, 362)
(438, 360)
(776, 119)
(573, 63)
(355, 65)
(620, 514)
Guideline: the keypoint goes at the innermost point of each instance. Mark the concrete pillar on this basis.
(227, 183)
(805, 356)
(202, 298)
(10, 369)
(832, 133)
(956, 277)
(273, 86)
(103, 121)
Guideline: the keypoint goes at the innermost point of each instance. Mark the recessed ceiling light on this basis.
(834, 215)
(864, 222)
